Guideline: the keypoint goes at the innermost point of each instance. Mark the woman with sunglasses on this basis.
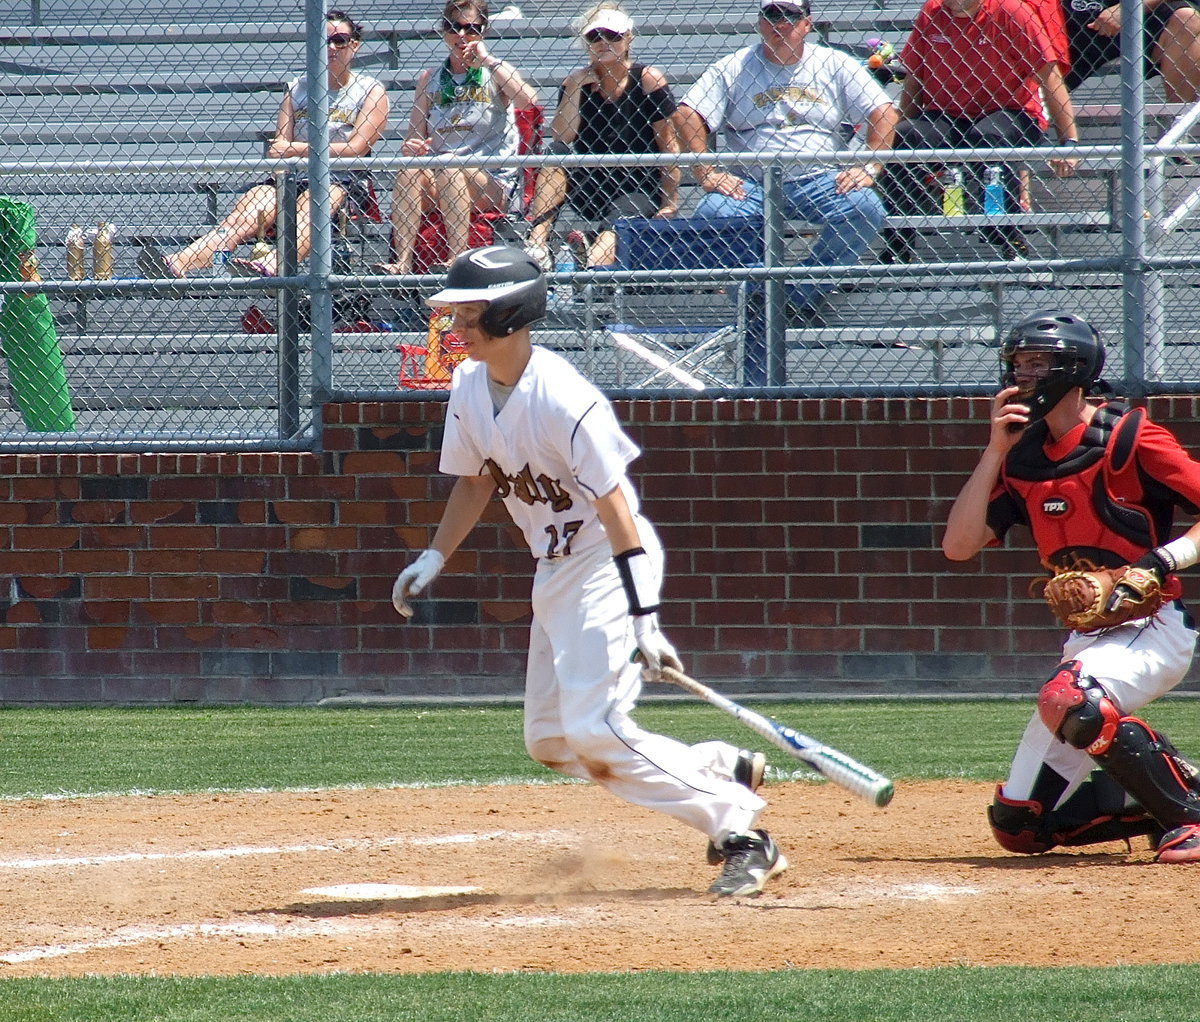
(358, 115)
(612, 105)
(462, 108)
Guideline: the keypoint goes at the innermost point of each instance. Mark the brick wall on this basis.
(802, 543)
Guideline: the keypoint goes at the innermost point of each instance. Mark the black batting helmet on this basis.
(1078, 357)
(507, 278)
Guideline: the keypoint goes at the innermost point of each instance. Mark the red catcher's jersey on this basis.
(1105, 492)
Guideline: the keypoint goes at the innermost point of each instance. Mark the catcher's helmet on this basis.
(1078, 357)
(507, 278)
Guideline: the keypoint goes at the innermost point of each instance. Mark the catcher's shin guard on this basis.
(1149, 767)
(1096, 812)
(1077, 710)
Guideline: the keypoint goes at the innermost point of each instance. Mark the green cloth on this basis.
(30, 340)
(448, 91)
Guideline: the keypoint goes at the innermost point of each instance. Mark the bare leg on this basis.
(604, 249)
(1177, 54)
(240, 225)
(337, 195)
(462, 194)
(550, 195)
(411, 196)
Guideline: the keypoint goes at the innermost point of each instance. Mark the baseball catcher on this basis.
(1097, 484)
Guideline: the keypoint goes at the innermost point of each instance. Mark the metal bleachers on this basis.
(157, 80)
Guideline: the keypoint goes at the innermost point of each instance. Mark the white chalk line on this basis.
(866, 892)
(132, 936)
(341, 845)
(63, 795)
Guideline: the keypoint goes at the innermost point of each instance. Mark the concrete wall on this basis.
(802, 542)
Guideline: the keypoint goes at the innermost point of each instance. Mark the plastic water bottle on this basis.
(993, 192)
(953, 197)
(564, 262)
(222, 255)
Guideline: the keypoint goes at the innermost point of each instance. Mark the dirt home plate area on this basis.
(554, 878)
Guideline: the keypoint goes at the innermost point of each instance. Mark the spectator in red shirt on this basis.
(975, 68)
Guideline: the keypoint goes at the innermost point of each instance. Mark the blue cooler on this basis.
(689, 244)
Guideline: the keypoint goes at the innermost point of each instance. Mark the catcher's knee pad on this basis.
(1150, 768)
(1096, 812)
(1019, 826)
(1077, 710)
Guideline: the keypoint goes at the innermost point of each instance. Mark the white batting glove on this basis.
(413, 579)
(655, 651)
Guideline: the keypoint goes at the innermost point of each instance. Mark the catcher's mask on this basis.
(1078, 358)
(508, 279)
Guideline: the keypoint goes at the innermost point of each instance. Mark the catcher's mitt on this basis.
(1103, 597)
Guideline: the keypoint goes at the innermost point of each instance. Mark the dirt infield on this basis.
(560, 878)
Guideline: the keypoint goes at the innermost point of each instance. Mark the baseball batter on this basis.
(524, 424)
(1098, 485)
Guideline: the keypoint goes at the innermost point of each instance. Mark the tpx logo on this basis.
(1055, 507)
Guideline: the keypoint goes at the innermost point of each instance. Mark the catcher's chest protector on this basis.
(1089, 503)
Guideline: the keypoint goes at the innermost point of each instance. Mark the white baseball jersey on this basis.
(553, 449)
(789, 109)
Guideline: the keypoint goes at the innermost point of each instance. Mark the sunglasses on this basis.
(602, 35)
(464, 28)
(775, 15)
(339, 40)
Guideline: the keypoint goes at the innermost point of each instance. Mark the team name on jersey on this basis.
(530, 489)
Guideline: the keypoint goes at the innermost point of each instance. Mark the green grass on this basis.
(92, 751)
(86, 751)
(1153, 994)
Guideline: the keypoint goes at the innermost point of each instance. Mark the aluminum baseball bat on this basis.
(829, 762)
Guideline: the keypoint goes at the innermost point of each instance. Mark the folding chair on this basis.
(689, 331)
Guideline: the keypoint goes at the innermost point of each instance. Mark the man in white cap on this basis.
(788, 95)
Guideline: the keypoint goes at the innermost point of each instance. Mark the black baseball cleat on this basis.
(750, 861)
(748, 771)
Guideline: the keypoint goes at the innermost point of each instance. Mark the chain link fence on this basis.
(718, 214)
